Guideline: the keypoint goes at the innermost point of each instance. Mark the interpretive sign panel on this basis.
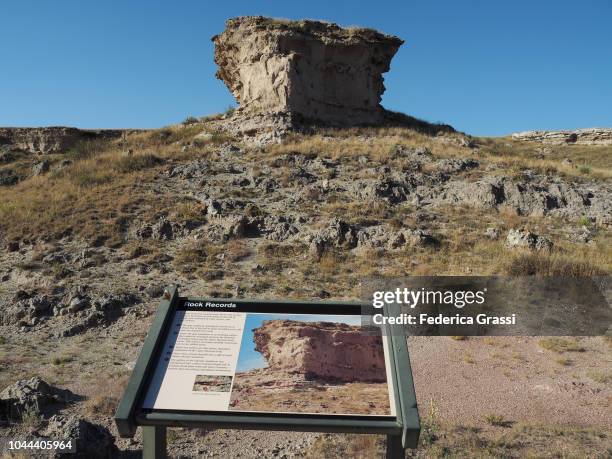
(253, 364)
(222, 356)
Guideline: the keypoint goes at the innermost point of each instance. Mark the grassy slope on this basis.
(96, 197)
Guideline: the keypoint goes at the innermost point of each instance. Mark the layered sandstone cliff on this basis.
(56, 139)
(589, 136)
(321, 350)
(314, 69)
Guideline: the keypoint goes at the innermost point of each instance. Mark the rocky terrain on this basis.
(89, 238)
(87, 248)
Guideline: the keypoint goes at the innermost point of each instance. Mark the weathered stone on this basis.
(92, 441)
(589, 136)
(77, 303)
(534, 196)
(317, 70)
(492, 233)
(8, 177)
(41, 167)
(30, 397)
(46, 140)
(526, 239)
(12, 246)
(321, 350)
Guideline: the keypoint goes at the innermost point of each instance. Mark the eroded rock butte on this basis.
(314, 69)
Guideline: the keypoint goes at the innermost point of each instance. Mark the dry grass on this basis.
(381, 144)
(96, 195)
(106, 398)
(349, 445)
(602, 377)
(554, 265)
(195, 255)
(561, 345)
(376, 144)
(588, 160)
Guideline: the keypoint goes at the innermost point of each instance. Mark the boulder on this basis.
(313, 69)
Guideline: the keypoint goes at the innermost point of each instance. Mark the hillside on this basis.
(92, 231)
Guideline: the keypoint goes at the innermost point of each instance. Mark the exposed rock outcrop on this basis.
(321, 350)
(31, 397)
(314, 69)
(518, 238)
(46, 140)
(93, 441)
(590, 136)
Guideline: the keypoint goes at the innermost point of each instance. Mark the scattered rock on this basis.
(77, 303)
(12, 246)
(583, 236)
(155, 291)
(493, 233)
(41, 167)
(518, 238)
(203, 138)
(8, 177)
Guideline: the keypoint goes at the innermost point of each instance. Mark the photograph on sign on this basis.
(220, 360)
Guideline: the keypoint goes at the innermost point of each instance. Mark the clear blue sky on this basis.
(486, 67)
(249, 358)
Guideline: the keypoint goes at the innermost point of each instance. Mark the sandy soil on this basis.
(261, 390)
(512, 377)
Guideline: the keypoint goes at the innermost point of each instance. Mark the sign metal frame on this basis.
(402, 429)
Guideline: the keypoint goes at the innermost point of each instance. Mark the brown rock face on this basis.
(321, 350)
(315, 69)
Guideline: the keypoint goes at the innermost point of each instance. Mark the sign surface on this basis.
(236, 357)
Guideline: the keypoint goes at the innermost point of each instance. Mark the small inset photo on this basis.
(212, 383)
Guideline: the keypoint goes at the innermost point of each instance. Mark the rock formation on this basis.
(46, 140)
(321, 350)
(313, 69)
(591, 136)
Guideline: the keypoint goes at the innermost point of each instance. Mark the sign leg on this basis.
(394, 447)
(154, 442)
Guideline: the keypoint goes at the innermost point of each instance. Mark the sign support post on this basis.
(395, 449)
(154, 442)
